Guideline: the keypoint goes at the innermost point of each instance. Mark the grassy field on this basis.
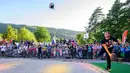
(116, 67)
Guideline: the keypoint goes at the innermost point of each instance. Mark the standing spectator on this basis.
(99, 46)
(58, 52)
(77, 54)
(123, 48)
(44, 51)
(15, 46)
(63, 51)
(95, 49)
(73, 51)
(84, 51)
(116, 48)
(49, 47)
(80, 52)
(127, 52)
(26, 47)
(90, 52)
(3, 50)
(54, 51)
(67, 54)
(9, 49)
(39, 51)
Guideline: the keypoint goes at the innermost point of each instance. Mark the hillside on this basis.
(61, 33)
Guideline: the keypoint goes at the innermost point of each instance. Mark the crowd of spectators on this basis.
(60, 49)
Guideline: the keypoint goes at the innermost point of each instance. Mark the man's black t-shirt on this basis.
(109, 42)
(40, 49)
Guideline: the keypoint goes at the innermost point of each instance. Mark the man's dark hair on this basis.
(107, 32)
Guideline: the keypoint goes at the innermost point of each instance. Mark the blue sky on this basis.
(67, 13)
(19, 8)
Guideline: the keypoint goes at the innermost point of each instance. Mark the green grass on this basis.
(116, 67)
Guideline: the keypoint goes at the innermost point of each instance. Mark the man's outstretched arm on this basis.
(106, 48)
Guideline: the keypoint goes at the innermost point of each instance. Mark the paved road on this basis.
(43, 66)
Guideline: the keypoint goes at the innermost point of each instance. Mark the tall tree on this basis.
(112, 22)
(25, 34)
(117, 20)
(125, 17)
(11, 33)
(42, 34)
(95, 18)
(94, 22)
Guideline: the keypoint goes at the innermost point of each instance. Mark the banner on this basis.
(124, 36)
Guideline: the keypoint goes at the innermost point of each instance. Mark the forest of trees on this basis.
(41, 34)
(116, 21)
(59, 33)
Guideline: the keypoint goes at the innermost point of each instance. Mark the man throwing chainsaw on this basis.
(107, 47)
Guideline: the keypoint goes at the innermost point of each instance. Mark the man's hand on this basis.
(112, 56)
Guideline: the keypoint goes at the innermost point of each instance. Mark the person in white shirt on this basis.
(95, 49)
(99, 46)
(3, 49)
(26, 47)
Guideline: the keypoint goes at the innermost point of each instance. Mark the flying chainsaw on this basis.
(52, 6)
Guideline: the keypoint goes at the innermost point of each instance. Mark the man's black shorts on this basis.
(2, 52)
